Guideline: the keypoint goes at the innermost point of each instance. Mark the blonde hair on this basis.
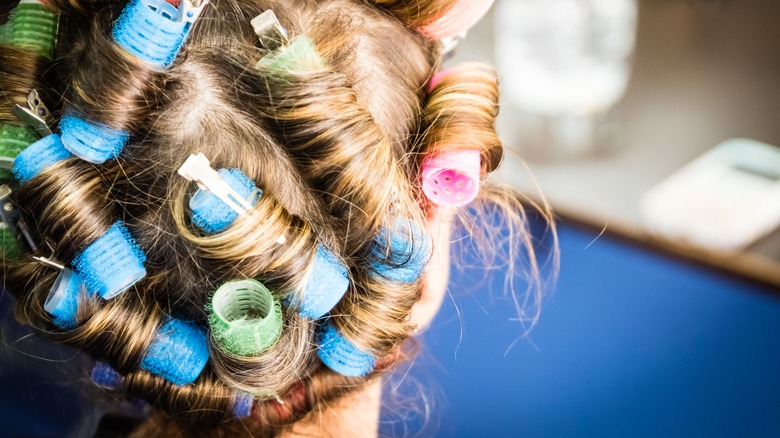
(336, 146)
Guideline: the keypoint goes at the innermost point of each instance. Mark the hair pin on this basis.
(197, 168)
(270, 32)
(36, 115)
(191, 9)
(13, 221)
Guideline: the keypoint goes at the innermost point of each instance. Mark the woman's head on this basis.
(324, 139)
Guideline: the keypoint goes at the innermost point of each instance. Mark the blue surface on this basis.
(631, 343)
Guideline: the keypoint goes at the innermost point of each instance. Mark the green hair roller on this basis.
(34, 27)
(245, 318)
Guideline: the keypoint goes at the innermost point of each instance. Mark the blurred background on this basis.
(652, 127)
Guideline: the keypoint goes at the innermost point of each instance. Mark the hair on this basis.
(335, 141)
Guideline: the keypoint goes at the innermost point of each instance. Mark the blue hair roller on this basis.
(152, 31)
(211, 214)
(404, 250)
(91, 141)
(104, 376)
(178, 353)
(242, 405)
(63, 300)
(328, 281)
(111, 264)
(342, 356)
(38, 156)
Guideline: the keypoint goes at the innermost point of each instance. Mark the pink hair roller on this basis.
(457, 19)
(451, 178)
(437, 77)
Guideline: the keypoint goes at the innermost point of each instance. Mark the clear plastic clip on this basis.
(198, 168)
(269, 31)
(191, 9)
(35, 114)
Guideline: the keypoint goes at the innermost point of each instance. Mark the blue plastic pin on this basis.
(178, 353)
(242, 405)
(104, 376)
(63, 300)
(112, 263)
(403, 249)
(154, 31)
(38, 156)
(91, 141)
(328, 281)
(342, 356)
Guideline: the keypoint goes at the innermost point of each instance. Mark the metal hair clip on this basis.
(190, 9)
(269, 31)
(35, 114)
(12, 220)
(198, 168)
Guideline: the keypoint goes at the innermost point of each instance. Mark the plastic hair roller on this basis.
(459, 18)
(178, 353)
(104, 376)
(91, 141)
(63, 300)
(342, 356)
(13, 140)
(245, 318)
(154, 30)
(451, 178)
(38, 156)
(111, 264)
(328, 281)
(33, 26)
(222, 196)
(243, 405)
(404, 250)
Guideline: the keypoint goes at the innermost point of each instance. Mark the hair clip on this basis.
(269, 31)
(38, 156)
(111, 264)
(459, 18)
(223, 194)
(62, 303)
(13, 140)
(91, 141)
(178, 353)
(342, 356)
(35, 115)
(328, 281)
(105, 376)
(245, 318)
(300, 54)
(34, 26)
(154, 30)
(404, 250)
(13, 222)
(451, 178)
